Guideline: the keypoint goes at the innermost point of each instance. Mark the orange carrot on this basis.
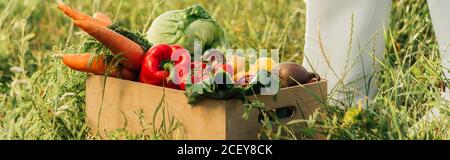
(118, 44)
(80, 62)
(77, 15)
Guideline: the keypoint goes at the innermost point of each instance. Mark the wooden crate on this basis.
(209, 120)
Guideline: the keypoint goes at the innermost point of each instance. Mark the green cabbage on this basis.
(184, 27)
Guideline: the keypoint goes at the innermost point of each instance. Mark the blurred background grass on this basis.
(42, 99)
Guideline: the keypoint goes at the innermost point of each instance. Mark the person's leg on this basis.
(343, 38)
(440, 15)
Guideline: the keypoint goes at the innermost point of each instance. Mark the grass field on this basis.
(41, 99)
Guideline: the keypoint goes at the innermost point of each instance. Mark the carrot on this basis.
(80, 62)
(128, 74)
(77, 15)
(117, 43)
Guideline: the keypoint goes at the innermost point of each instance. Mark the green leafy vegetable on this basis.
(184, 27)
(211, 90)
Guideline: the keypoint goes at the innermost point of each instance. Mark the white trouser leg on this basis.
(440, 14)
(343, 37)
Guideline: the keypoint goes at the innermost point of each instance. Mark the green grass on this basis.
(42, 99)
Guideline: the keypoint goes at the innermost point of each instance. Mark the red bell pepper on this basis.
(165, 65)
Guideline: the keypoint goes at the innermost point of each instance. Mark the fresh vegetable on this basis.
(237, 62)
(184, 27)
(200, 71)
(263, 81)
(106, 22)
(93, 46)
(199, 66)
(193, 80)
(133, 36)
(223, 80)
(243, 78)
(208, 88)
(265, 63)
(219, 71)
(96, 65)
(128, 74)
(217, 60)
(101, 20)
(162, 61)
(85, 63)
(292, 74)
(225, 67)
(117, 43)
(214, 56)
